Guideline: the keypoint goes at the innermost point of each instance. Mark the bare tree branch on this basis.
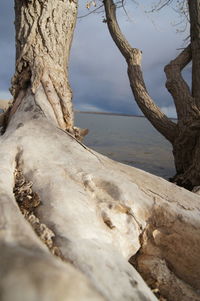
(133, 58)
(95, 10)
(158, 6)
(177, 86)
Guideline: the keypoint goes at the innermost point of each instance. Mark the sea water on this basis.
(130, 140)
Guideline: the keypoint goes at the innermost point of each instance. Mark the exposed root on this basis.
(188, 179)
(63, 115)
(182, 181)
(54, 101)
(79, 133)
(28, 201)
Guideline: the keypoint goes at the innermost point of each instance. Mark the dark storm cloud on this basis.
(97, 70)
(102, 82)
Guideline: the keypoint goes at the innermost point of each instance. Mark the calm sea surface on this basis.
(130, 140)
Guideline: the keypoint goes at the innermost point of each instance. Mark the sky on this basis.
(98, 72)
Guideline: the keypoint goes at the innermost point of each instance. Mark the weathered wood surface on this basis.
(101, 212)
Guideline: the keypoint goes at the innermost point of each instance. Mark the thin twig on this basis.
(91, 12)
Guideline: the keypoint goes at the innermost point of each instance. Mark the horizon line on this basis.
(115, 114)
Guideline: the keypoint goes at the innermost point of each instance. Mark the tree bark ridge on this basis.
(44, 32)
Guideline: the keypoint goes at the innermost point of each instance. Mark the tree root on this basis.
(95, 207)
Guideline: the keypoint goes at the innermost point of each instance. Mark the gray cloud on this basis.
(97, 69)
(7, 50)
(102, 80)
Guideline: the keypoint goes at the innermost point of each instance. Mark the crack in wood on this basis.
(28, 201)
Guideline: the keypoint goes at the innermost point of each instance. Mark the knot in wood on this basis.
(135, 56)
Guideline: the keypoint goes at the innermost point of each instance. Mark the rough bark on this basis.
(94, 214)
(44, 31)
(178, 87)
(186, 143)
(184, 136)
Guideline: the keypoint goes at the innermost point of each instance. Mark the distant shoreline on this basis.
(5, 103)
(109, 113)
(115, 114)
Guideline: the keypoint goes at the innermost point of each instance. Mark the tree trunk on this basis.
(71, 219)
(184, 136)
(186, 146)
(44, 31)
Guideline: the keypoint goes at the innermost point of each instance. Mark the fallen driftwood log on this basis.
(76, 225)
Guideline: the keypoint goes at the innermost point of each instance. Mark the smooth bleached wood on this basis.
(102, 213)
